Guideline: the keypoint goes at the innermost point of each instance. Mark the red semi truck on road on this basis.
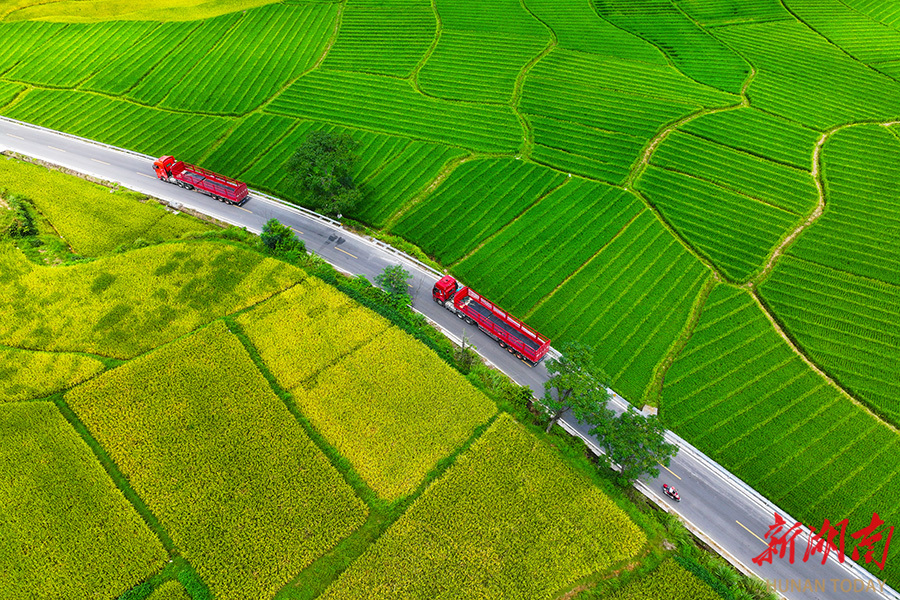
(528, 345)
(192, 177)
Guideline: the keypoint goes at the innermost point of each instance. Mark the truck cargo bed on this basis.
(500, 323)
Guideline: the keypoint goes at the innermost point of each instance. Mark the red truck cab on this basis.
(163, 167)
(444, 289)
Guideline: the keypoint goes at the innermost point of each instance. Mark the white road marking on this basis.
(100, 161)
(55, 148)
(15, 136)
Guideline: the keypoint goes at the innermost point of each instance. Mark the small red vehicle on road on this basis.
(192, 177)
(527, 344)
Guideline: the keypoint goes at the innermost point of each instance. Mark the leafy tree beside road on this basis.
(634, 442)
(576, 385)
(322, 168)
(631, 440)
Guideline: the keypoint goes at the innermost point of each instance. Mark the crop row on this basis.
(254, 138)
(547, 243)
(490, 528)
(794, 64)
(399, 180)
(329, 323)
(67, 531)
(758, 133)
(29, 37)
(593, 115)
(392, 106)
(121, 73)
(848, 324)
(179, 60)
(216, 455)
(385, 38)
(126, 304)
(692, 50)
(87, 216)
(620, 295)
(477, 66)
(578, 27)
(857, 232)
(669, 580)
(269, 46)
(787, 188)
(583, 150)
(481, 50)
(75, 53)
(860, 36)
(478, 199)
(887, 13)
(28, 375)
(747, 11)
(746, 399)
(393, 409)
(736, 232)
(121, 123)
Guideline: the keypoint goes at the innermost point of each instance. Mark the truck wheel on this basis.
(502, 345)
(519, 356)
(470, 320)
(461, 316)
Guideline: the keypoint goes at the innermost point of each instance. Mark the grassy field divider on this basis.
(442, 175)
(438, 29)
(116, 475)
(527, 129)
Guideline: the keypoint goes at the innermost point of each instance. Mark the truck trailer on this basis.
(526, 344)
(192, 177)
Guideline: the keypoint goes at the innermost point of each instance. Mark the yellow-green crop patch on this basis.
(88, 216)
(126, 304)
(306, 328)
(25, 375)
(394, 409)
(668, 582)
(242, 490)
(384, 400)
(67, 531)
(508, 520)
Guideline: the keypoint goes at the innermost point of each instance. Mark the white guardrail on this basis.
(851, 567)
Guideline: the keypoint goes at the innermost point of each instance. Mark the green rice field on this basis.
(704, 191)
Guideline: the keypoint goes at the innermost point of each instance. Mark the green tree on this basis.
(634, 442)
(322, 168)
(276, 236)
(576, 385)
(394, 280)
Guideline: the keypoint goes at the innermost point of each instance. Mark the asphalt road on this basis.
(718, 507)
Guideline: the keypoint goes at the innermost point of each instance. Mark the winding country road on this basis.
(715, 505)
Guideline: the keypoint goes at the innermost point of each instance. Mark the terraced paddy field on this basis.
(669, 181)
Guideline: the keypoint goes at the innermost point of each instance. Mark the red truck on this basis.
(528, 345)
(192, 177)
